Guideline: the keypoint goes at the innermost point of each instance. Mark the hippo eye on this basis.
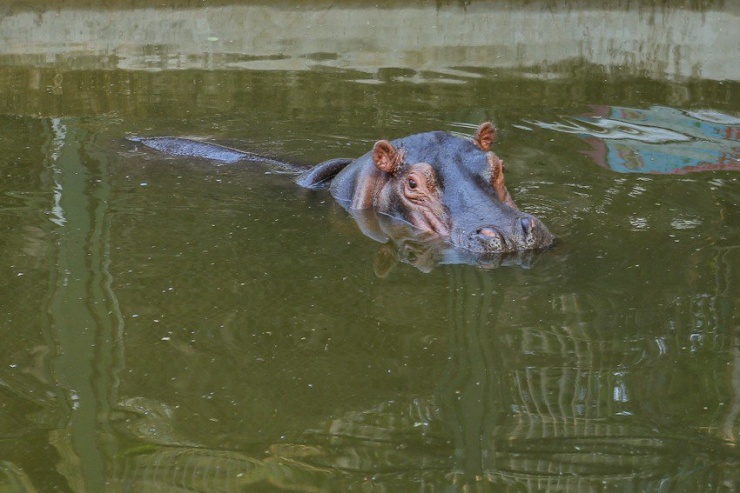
(412, 184)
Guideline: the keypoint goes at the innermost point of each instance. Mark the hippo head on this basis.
(453, 188)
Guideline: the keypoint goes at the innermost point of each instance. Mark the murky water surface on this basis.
(171, 324)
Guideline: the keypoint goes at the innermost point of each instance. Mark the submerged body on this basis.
(448, 188)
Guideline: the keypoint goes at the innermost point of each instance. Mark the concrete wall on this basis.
(660, 42)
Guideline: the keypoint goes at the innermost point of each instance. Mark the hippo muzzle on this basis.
(523, 232)
(482, 222)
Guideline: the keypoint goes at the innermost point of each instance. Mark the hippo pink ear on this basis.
(386, 157)
(484, 136)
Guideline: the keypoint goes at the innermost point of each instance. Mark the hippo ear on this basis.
(386, 157)
(484, 136)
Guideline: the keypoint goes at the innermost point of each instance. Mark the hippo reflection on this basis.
(449, 190)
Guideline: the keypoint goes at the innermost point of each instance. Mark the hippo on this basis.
(446, 188)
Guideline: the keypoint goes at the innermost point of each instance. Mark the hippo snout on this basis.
(523, 233)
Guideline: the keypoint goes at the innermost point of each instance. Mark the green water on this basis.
(169, 324)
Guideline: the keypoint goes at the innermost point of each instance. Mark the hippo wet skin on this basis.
(449, 186)
(446, 187)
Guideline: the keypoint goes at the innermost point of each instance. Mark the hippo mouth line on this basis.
(490, 239)
(496, 248)
(482, 240)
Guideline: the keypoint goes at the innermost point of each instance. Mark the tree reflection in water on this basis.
(550, 405)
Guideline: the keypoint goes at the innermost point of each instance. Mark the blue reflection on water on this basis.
(656, 140)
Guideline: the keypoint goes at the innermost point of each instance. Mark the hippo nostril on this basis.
(487, 239)
(527, 225)
(489, 232)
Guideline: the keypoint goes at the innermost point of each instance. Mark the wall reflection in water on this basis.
(656, 140)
